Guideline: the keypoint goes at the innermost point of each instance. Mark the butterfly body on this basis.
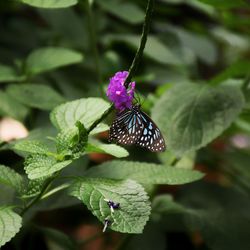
(133, 126)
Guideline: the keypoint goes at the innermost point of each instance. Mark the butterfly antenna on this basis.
(136, 97)
(141, 98)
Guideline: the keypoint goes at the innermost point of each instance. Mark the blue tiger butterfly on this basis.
(133, 126)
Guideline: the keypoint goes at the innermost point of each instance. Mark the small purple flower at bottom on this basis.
(117, 92)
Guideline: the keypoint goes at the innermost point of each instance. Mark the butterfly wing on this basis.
(151, 137)
(133, 126)
(126, 128)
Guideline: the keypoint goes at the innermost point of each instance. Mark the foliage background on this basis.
(194, 81)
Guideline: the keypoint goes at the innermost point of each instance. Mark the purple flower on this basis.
(118, 94)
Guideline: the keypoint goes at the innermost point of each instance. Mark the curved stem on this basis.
(55, 190)
(139, 52)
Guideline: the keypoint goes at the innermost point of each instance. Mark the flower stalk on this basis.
(139, 52)
(137, 59)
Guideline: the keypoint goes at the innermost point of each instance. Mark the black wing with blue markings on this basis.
(133, 126)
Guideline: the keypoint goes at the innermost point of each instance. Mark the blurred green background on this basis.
(205, 41)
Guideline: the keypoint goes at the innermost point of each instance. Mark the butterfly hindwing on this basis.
(133, 126)
(151, 137)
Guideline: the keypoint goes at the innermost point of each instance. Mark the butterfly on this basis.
(133, 126)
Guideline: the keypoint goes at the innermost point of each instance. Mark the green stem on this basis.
(104, 115)
(39, 196)
(137, 58)
(139, 52)
(93, 44)
(55, 190)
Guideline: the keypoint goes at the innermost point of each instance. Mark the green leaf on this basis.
(212, 211)
(237, 167)
(11, 178)
(65, 141)
(111, 149)
(80, 140)
(192, 115)
(35, 95)
(8, 195)
(201, 46)
(11, 107)
(31, 146)
(224, 230)
(225, 3)
(50, 3)
(50, 58)
(165, 204)
(8, 74)
(128, 12)
(167, 157)
(72, 142)
(237, 69)
(91, 2)
(37, 166)
(232, 40)
(85, 110)
(61, 22)
(101, 127)
(201, 7)
(10, 224)
(33, 188)
(134, 203)
(155, 49)
(147, 173)
(187, 161)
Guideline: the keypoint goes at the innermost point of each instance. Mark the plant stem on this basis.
(55, 190)
(139, 52)
(39, 196)
(93, 44)
(104, 115)
(136, 60)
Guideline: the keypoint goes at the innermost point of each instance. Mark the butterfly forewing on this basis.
(133, 126)
(125, 129)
